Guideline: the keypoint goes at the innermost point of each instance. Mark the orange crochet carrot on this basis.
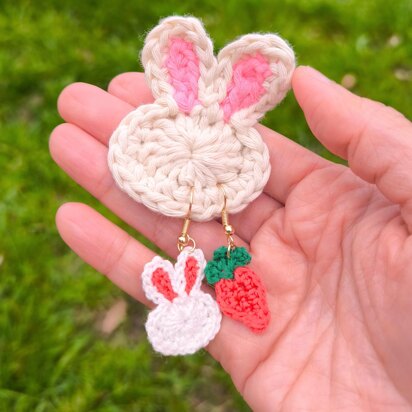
(239, 291)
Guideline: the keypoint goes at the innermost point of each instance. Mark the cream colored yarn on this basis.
(158, 153)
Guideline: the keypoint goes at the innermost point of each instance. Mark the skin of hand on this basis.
(331, 243)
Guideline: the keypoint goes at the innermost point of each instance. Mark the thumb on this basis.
(376, 140)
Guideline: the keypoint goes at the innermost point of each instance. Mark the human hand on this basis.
(331, 244)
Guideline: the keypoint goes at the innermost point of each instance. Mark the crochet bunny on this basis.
(186, 319)
(200, 131)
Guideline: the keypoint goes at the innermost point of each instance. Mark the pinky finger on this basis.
(103, 245)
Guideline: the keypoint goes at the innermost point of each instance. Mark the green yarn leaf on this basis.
(240, 257)
(222, 267)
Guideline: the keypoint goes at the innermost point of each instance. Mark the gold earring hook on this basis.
(229, 230)
(184, 239)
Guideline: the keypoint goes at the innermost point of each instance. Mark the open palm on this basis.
(330, 243)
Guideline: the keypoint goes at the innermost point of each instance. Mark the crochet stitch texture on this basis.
(185, 319)
(240, 293)
(200, 131)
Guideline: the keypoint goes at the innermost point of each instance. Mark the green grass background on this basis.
(52, 355)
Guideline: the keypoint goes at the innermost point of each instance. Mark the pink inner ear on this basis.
(162, 282)
(246, 87)
(183, 67)
(191, 272)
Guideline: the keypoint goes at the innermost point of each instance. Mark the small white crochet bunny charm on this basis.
(200, 131)
(186, 319)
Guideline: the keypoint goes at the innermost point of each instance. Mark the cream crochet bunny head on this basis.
(199, 132)
(186, 319)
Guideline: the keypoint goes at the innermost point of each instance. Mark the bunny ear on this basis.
(179, 62)
(157, 279)
(189, 271)
(256, 71)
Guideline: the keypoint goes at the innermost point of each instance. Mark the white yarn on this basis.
(188, 322)
(157, 153)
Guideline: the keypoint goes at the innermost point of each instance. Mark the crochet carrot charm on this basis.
(239, 291)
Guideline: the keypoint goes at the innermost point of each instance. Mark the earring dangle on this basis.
(239, 292)
(195, 153)
(185, 319)
(184, 240)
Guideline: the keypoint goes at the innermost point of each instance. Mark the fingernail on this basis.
(317, 75)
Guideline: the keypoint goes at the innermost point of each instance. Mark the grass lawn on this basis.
(54, 355)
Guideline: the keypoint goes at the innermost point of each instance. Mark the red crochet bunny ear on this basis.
(158, 280)
(161, 281)
(189, 271)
